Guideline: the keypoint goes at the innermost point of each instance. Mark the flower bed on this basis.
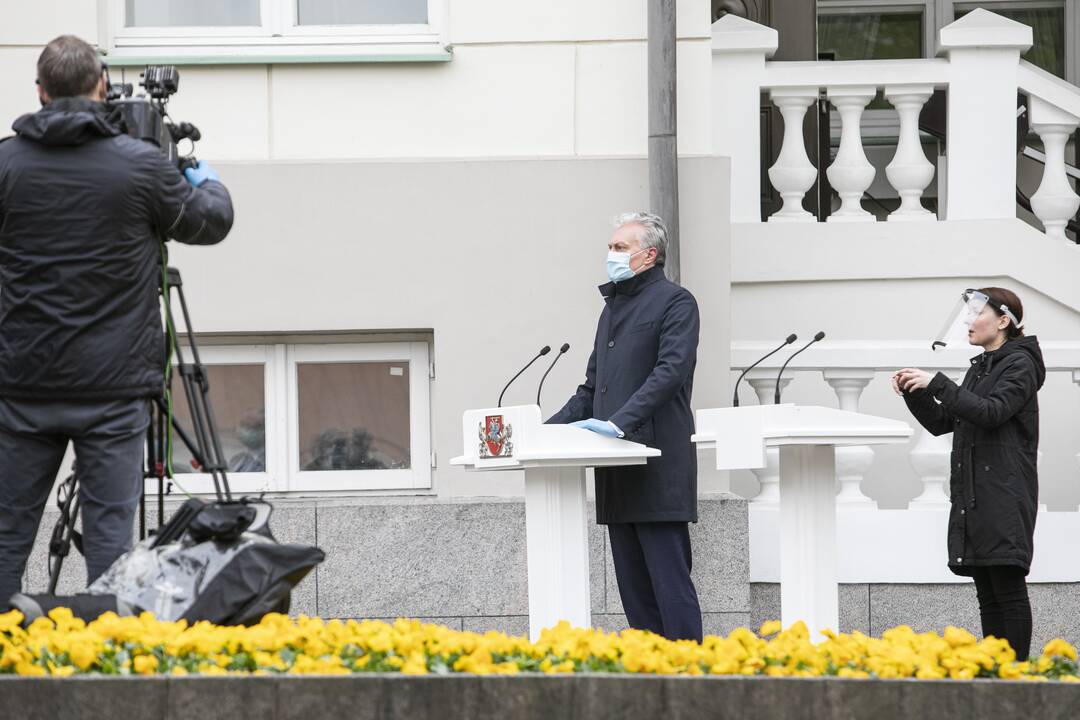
(63, 645)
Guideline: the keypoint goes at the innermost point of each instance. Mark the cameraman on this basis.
(83, 211)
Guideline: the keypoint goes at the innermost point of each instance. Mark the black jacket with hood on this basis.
(994, 418)
(83, 211)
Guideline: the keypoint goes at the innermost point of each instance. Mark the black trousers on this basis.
(1004, 605)
(109, 439)
(652, 567)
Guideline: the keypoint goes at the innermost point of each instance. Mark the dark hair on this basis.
(1001, 296)
(68, 67)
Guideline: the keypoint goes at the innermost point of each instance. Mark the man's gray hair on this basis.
(653, 232)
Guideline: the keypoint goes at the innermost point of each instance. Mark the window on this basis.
(1047, 22)
(894, 29)
(315, 418)
(853, 34)
(230, 31)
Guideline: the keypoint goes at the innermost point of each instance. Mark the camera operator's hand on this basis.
(200, 174)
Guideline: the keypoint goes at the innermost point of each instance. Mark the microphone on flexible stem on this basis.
(543, 351)
(735, 396)
(562, 351)
(820, 336)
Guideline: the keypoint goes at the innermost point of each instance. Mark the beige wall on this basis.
(544, 79)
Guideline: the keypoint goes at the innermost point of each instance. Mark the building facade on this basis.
(423, 194)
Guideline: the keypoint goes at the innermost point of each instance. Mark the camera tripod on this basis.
(203, 442)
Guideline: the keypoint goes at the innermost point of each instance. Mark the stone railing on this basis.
(847, 368)
(982, 72)
(890, 545)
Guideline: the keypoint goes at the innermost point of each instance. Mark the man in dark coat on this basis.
(637, 386)
(84, 209)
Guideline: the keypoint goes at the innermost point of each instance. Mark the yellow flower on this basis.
(770, 627)
(145, 664)
(1059, 648)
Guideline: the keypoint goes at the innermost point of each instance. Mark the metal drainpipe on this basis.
(663, 155)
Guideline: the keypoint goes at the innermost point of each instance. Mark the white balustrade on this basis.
(852, 462)
(850, 173)
(764, 384)
(1055, 202)
(982, 71)
(909, 172)
(792, 174)
(848, 368)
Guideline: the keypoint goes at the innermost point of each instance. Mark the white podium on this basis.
(554, 458)
(806, 437)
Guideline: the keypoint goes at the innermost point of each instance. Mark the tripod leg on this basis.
(60, 543)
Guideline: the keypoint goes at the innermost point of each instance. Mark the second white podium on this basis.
(554, 458)
(807, 437)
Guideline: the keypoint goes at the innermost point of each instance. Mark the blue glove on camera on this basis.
(601, 427)
(200, 174)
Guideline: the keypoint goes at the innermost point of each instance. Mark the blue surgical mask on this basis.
(618, 265)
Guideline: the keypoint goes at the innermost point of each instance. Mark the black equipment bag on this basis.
(224, 567)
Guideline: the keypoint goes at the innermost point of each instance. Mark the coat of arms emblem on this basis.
(495, 434)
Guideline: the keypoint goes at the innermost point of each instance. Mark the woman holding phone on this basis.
(994, 417)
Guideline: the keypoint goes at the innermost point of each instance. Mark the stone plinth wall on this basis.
(596, 697)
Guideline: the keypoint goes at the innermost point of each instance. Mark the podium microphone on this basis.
(735, 394)
(820, 336)
(540, 387)
(543, 351)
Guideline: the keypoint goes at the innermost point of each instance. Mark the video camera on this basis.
(144, 116)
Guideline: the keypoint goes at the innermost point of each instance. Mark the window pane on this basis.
(180, 13)
(361, 12)
(236, 393)
(353, 416)
(870, 36)
(1047, 29)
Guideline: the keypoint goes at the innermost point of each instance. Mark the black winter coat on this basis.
(83, 210)
(640, 377)
(994, 418)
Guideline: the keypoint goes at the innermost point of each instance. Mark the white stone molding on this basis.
(852, 462)
(850, 173)
(1055, 202)
(792, 174)
(909, 172)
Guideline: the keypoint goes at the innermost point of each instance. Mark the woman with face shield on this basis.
(994, 417)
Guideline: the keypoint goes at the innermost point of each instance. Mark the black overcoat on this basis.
(83, 210)
(994, 418)
(640, 377)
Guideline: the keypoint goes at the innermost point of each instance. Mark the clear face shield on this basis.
(954, 333)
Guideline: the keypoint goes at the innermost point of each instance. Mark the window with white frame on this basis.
(315, 418)
(274, 30)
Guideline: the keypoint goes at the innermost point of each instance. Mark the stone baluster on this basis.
(930, 460)
(1055, 202)
(764, 384)
(909, 172)
(852, 462)
(792, 174)
(850, 173)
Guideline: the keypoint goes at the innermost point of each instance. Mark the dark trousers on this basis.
(652, 566)
(109, 438)
(1004, 605)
